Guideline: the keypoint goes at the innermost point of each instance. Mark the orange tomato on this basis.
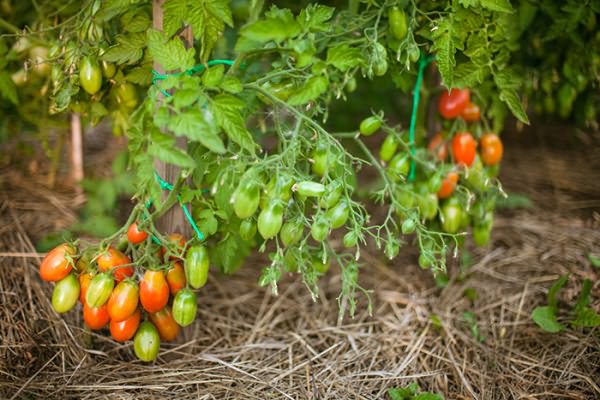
(124, 330)
(464, 148)
(114, 260)
(84, 282)
(123, 301)
(166, 325)
(95, 318)
(134, 235)
(471, 113)
(448, 185)
(438, 147)
(176, 277)
(491, 149)
(154, 291)
(58, 263)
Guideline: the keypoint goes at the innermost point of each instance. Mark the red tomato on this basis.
(84, 282)
(154, 291)
(166, 325)
(491, 149)
(113, 259)
(448, 185)
(471, 113)
(176, 277)
(439, 147)
(123, 301)
(134, 235)
(95, 318)
(177, 242)
(451, 104)
(58, 263)
(464, 148)
(124, 330)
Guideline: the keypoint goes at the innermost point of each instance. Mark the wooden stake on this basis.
(77, 173)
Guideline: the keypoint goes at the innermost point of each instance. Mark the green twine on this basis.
(156, 76)
(422, 63)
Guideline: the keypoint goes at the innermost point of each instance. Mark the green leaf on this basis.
(207, 19)
(170, 54)
(584, 298)
(185, 97)
(344, 57)
(192, 125)
(281, 25)
(586, 318)
(467, 74)
(111, 8)
(231, 84)
(226, 110)
(229, 254)
(447, 38)
(213, 76)
(171, 155)
(207, 222)
(315, 18)
(511, 98)
(428, 396)
(8, 90)
(553, 291)
(175, 13)
(471, 320)
(129, 49)
(136, 22)
(492, 5)
(140, 75)
(405, 393)
(314, 87)
(595, 260)
(545, 318)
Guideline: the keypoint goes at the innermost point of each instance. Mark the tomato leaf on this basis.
(493, 5)
(192, 124)
(344, 57)
(315, 18)
(8, 90)
(511, 98)
(448, 37)
(545, 318)
(231, 84)
(129, 49)
(140, 75)
(170, 54)
(213, 76)
(595, 260)
(312, 89)
(586, 317)
(229, 253)
(226, 110)
(553, 291)
(278, 26)
(170, 154)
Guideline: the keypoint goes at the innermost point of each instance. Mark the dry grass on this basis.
(248, 344)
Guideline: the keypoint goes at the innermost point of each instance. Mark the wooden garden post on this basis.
(173, 221)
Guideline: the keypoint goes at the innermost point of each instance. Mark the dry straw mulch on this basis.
(249, 344)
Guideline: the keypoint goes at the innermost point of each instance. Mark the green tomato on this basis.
(39, 58)
(309, 188)
(247, 229)
(405, 196)
(196, 266)
(338, 215)
(476, 176)
(246, 199)
(425, 261)
(481, 234)
(351, 85)
(451, 216)
(333, 193)
(408, 226)
(291, 232)
(320, 163)
(399, 166)
(90, 75)
(108, 69)
(434, 183)
(320, 229)
(428, 205)
(566, 98)
(389, 147)
(350, 239)
(127, 95)
(185, 306)
(414, 53)
(146, 342)
(270, 219)
(65, 294)
(319, 266)
(99, 290)
(290, 260)
(398, 24)
(370, 125)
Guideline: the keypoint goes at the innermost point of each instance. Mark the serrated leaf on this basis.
(171, 155)
(315, 18)
(545, 318)
(448, 37)
(511, 98)
(213, 76)
(129, 49)
(226, 110)
(170, 54)
(136, 22)
(586, 318)
(220, 10)
(112, 8)
(493, 5)
(277, 28)
(428, 396)
(140, 75)
(228, 254)
(344, 57)
(207, 222)
(175, 13)
(192, 125)
(185, 97)
(467, 74)
(8, 90)
(231, 84)
(314, 87)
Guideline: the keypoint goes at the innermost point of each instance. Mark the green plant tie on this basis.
(157, 76)
(164, 185)
(422, 63)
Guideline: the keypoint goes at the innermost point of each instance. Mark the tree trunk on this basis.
(174, 219)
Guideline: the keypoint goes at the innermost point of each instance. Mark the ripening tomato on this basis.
(134, 235)
(84, 282)
(471, 113)
(291, 232)
(154, 291)
(39, 60)
(177, 246)
(448, 185)
(451, 104)
(123, 301)
(58, 263)
(124, 330)
(246, 199)
(464, 148)
(438, 147)
(270, 219)
(90, 75)
(491, 149)
(95, 318)
(185, 307)
(166, 325)
(65, 294)
(146, 342)
(196, 266)
(99, 290)
(115, 261)
(176, 277)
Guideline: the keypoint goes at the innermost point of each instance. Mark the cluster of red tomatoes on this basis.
(117, 291)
